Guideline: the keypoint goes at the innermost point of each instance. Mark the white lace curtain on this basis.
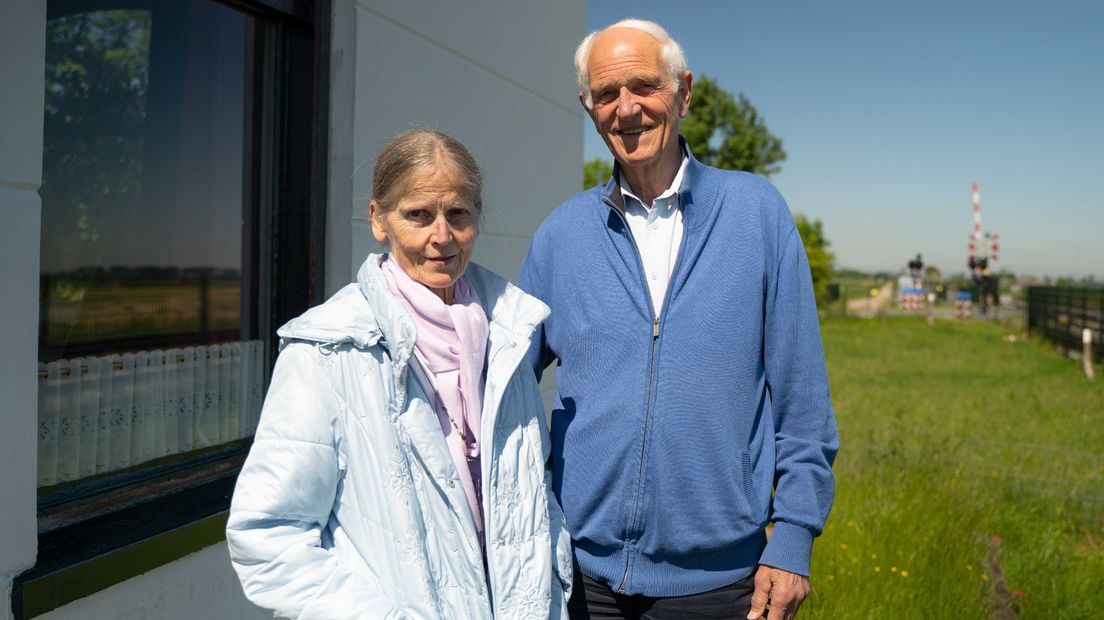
(101, 414)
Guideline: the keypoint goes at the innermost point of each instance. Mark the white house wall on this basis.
(497, 75)
(22, 76)
(200, 585)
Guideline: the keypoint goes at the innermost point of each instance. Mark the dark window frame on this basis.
(99, 532)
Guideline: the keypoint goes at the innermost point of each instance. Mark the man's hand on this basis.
(784, 590)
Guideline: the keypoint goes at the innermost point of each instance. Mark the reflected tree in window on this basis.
(97, 74)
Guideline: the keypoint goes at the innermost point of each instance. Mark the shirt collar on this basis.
(670, 193)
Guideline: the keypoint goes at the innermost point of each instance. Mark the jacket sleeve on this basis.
(563, 563)
(805, 434)
(283, 500)
(562, 559)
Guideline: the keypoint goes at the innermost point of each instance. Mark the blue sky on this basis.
(888, 111)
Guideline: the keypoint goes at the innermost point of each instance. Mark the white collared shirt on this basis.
(657, 231)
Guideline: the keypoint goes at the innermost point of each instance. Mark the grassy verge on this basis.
(951, 434)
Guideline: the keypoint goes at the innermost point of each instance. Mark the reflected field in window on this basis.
(105, 311)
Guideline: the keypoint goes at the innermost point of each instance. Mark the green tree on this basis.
(820, 259)
(932, 275)
(727, 132)
(596, 172)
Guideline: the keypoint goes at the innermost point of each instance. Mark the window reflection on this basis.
(148, 339)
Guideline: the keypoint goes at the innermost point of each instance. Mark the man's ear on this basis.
(684, 94)
(589, 111)
(378, 229)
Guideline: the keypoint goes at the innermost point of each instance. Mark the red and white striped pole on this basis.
(977, 212)
(980, 251)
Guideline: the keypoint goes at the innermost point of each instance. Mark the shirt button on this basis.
(654, 226)
(452, 484)
(654, 275)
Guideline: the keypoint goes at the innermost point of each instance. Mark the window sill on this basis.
(90, 555)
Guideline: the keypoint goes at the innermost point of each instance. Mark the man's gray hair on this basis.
(674, 59)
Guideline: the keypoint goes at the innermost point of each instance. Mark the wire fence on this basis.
(1062, 313)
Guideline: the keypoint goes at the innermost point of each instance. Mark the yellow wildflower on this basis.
(904, 573)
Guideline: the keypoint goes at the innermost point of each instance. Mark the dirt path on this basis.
(1002, 605)
(871, 305)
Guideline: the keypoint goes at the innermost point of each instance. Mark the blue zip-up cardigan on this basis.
(669, 434)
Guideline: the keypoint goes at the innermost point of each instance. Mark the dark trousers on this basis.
(593, 600)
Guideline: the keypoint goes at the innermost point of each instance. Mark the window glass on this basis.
(148, 338)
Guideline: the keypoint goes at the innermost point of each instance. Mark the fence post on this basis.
(1027, 311)
(1086, 352)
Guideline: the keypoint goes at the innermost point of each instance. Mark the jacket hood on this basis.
(365, 313)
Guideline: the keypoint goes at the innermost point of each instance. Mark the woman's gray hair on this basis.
(674, 59)
(422, 151)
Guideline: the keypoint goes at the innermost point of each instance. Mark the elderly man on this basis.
(692, 406)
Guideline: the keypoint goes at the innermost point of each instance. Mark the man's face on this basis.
(636, 108)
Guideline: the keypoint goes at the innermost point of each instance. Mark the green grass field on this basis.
(949, 435)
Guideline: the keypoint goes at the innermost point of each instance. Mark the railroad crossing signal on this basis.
(982, 247)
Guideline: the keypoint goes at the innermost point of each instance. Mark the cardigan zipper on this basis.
(648, 390)
(651, 364)
(643, 443)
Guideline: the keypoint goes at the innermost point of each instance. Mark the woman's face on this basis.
(431, 230)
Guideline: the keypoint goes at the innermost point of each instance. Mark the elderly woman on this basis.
(399, 467)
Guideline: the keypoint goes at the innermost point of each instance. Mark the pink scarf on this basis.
(451, 347)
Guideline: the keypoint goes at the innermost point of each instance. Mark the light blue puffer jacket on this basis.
(349, 505)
